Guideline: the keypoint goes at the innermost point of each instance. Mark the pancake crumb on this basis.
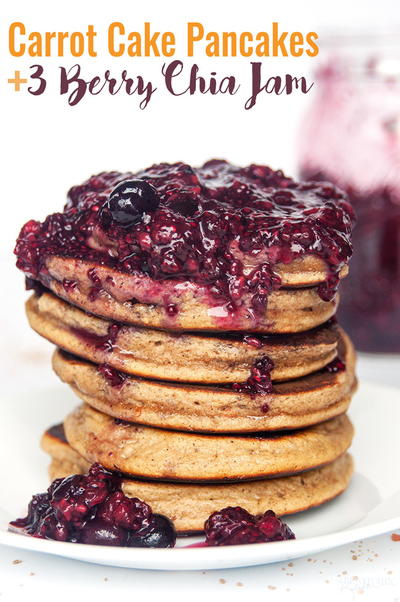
(16, 562)
(222, 581)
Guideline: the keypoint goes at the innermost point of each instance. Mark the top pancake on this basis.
(205, 246)
(287, 310)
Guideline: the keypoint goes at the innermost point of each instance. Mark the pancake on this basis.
(190, 505)
(288, 309)
(195, 248)
(158, 454)
(181, 406)
(306, 271)
(180, 357)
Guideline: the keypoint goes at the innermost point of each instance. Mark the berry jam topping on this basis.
(336, 365)
(69, 285)
(171, 309)
(34, 285)
(259, 381)
(96, 287)
(235, 526)
(253, 341)
(93, 509)
(101, 342)
(128, 204)
(114, 377)
(219, 226)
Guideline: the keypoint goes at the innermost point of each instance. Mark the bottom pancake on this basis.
(190, 505)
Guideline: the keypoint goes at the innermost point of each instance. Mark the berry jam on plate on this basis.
(221, 227)
(92, 509)
(235, 526)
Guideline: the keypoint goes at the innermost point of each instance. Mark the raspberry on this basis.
(235, 526)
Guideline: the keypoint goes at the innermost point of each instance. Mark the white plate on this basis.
(370, 506)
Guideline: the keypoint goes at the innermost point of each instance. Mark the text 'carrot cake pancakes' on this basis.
(189, 505)
(191, 305)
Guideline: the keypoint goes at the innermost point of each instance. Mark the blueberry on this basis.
(161, 535)
(128, 202)
(92, 509)
(98, 532)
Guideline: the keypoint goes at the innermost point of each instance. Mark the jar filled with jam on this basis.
(351, 137)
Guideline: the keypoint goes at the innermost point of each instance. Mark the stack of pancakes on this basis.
(159, 405)
(167, 397)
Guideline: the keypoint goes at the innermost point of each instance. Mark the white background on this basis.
(48, 146)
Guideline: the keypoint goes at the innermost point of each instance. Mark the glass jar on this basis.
(351, 136)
